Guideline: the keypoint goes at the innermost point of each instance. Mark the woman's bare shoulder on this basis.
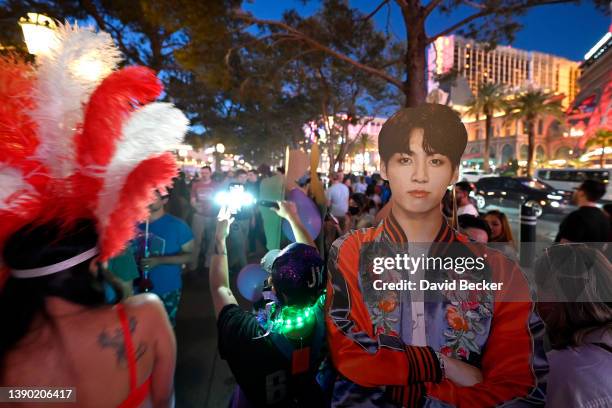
(145, 304)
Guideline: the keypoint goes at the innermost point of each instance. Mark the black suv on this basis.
(514, 191)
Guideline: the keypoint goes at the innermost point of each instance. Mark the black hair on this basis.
(362, 201)
(370, 190)
(464, 186)
(239, 172)
(207, 167)
(444, 133)
(264, 170)
(35, 246)
(593, 189)
(470, 221)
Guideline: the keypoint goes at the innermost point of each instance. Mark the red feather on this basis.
(109, 107)
(17, 130)
(135, 197)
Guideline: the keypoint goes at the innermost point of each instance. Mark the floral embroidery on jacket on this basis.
(465, 320)
(383, 317)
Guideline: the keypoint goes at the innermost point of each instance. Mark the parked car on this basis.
(514, 191)
(569, 179)
(472, 175)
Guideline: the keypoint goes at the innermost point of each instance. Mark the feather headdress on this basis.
(80, 139)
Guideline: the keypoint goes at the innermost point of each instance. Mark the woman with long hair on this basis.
(501, 233)
(80, 159)
(574, 292)
(58, 329)
(500, 227)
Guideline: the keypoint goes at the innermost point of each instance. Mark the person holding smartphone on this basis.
(238, 240)
(274, 355)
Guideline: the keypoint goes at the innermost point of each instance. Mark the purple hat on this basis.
(298, 275)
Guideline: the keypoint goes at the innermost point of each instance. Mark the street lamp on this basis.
(219, 150)
(39, 33)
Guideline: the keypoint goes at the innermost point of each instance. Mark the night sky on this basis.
(565, 30)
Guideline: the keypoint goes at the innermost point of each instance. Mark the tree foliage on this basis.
(402, 62)
(528, 106)
(252, 83)
(601, 140)
(490, 98)
(273, 86)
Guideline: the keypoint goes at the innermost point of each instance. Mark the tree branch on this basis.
(93, 11)
(431, 6)
(474, 4)
(376, 10)
(392, 62)
(315, 44)
(295, 57)
(486, 12)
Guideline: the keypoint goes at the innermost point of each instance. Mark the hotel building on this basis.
(517, 69)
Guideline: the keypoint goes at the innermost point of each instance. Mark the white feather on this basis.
(149, 132)
(12, 182)
(66, 77)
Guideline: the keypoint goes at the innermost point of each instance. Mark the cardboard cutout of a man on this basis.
(392, 351)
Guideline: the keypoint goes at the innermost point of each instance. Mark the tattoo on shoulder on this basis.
(115, 341)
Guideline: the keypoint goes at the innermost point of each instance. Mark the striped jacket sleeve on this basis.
(358, 354)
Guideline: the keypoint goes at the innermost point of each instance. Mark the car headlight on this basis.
(542, 202)
(555, 204)
(554, 197)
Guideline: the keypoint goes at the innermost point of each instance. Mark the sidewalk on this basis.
(202, 379)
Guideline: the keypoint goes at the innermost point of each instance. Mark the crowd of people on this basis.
(94, 247)
(319, 336)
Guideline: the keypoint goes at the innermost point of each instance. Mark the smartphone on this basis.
(332, 219)
(235, 198)
(268, 203)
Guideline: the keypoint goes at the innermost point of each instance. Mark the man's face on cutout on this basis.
(418, 180)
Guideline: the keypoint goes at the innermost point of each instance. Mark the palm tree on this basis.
(528, 106)
(603, 138)
(490, 98)
(361, 144)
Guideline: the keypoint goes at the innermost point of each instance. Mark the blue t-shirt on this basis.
(166, 237)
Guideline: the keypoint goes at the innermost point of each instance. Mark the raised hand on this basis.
(224, 220)
(286, 210)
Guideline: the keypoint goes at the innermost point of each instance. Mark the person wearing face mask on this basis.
(358, 215)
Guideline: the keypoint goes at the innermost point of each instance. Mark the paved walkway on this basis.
(202, 379)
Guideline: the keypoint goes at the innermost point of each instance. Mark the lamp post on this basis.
(219, 150)
(39, 33)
